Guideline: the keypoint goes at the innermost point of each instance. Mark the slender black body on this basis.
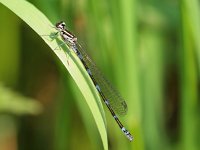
(110, 96)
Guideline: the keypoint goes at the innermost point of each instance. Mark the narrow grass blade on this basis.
(42, 26)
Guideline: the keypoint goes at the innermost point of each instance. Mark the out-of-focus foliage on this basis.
(148, 49)
(14, 103)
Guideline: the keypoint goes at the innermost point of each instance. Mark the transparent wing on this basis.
(112, 95)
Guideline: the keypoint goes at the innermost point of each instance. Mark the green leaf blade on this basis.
(42, 26)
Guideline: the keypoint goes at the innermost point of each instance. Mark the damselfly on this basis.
(109, 95)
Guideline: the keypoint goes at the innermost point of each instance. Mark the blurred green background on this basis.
(149, 50)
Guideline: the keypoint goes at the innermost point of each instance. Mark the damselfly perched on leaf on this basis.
(109, 95)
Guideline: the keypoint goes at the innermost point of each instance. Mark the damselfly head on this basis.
(60, 25)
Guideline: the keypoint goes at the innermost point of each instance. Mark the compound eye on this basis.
(60, 25)
(63, 24)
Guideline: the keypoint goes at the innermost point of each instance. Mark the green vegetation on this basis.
(148, 50)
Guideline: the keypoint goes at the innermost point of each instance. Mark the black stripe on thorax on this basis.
(68, 33)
